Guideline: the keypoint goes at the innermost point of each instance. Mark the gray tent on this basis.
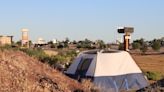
(111, 71)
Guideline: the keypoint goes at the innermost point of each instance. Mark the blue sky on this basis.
(80, 19)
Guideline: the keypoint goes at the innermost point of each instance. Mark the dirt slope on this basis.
(21, 73)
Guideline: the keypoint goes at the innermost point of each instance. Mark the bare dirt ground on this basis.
(22, 73)
(154, 63)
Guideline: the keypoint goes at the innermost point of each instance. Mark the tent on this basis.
(110, 70)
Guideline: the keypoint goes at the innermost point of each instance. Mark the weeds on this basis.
(153, 75)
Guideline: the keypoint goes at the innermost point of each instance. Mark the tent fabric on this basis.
(111, 64)
(110, 70)
(121, 82)
(72, 69)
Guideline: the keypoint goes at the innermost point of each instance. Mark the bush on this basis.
(136, 45)
(121, 46)
(153, 75)
(33, 52)
(65, 57)
(144, 48)
(61, 59)
(156, 45)
(53, 45)
(40, 55)
(6, 46)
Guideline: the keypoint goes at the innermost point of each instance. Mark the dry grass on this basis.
(51, 52)
(21, 73)
(154, 63)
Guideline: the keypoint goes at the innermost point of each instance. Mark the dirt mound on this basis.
(21, 73)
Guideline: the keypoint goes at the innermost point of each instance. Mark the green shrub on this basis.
(144, 48)
(39, 54)
(153, 75)
(53, 45)
(156, 45)
(136, 45)
(33, 52)
(6, 46)
(61, 59)
(121, 46)
(9, 47)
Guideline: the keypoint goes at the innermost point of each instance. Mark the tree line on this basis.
(143, 45)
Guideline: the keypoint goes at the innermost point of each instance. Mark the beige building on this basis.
(25, 38)
(6, 40)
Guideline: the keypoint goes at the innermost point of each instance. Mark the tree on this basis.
(30, 43)
(101, 44)
(74, 42)
(156, 44)
(121, 46)
(140, 41)
(60, 46)
(50, 42)
(86, 41)
(67, 40)
(53, 45)
(136, 45)
(18, 43)
(84, 44)
(140, 44)
(144, 48)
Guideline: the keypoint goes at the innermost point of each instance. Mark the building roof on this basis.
(5, 36)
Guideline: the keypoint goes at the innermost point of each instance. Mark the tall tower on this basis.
(25, 38)
(127, 31)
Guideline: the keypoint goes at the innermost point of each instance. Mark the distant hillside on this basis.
(21, 73)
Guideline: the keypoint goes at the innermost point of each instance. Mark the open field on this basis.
(152, 63)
